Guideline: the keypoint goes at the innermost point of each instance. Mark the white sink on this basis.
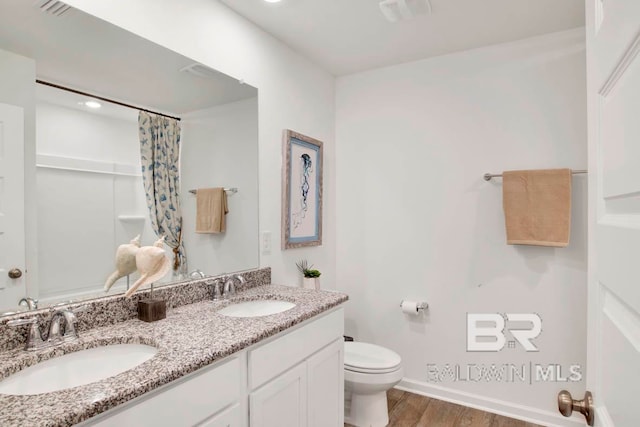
(76, 369)
(256, 308)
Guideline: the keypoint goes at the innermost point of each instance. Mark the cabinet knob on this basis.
(566, 405)
(15, 273)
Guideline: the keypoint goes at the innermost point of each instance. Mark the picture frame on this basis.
(301, 191)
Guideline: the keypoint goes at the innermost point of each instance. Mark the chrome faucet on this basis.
(217, 289)
(197, 274)
(35, 340)
(229, 285)
(229, 288)
(225, 287)
(70, 333)
(30, 303)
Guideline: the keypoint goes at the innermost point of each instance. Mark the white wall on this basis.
(84, 134)
(415, 219)
(294, 94)
(220, 149)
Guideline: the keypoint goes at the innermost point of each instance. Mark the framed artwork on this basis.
(301, 191)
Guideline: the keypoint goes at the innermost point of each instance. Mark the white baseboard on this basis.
(495, 406)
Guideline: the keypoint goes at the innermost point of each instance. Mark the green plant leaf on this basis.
(312, 273)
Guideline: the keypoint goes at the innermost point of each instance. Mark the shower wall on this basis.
(90, 196)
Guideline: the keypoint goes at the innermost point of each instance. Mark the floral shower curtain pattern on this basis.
(160, 153)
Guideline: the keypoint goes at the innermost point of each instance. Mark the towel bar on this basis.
(488, 176)
(232, 190)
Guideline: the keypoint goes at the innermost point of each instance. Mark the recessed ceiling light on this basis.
(396, 10)
(272, 1)
(92, 104)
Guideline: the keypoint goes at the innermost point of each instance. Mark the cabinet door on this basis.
(182, 403)
(281, 402)
(228, 418)
(276, 356)
(325, 386)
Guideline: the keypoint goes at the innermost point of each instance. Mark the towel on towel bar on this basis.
(537, 206)
(211, 208)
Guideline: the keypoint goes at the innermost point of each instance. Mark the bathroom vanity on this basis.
(294, 379)
(210, 369)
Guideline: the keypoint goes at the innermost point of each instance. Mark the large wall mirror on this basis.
(83, 193)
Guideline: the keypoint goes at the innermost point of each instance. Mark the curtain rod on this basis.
(101, 98)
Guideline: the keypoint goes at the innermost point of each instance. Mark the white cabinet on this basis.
(294, 379)
(231, 417)
(281, 402)
(282, 352)
(325, 386)
(309, 394)
(297, 379)
(184, 402)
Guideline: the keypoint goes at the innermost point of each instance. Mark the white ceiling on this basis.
(347, 36)
(88, 54)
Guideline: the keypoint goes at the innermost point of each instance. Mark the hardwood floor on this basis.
(412, 410)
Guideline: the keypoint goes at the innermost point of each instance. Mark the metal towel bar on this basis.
(489, 176)
(232, 190)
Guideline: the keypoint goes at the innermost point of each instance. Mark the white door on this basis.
(12, 254)
(325, 386)
(282, 402)
(613, 74)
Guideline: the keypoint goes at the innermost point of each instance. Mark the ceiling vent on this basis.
(52, 7)
(200, 70)
(398, 10)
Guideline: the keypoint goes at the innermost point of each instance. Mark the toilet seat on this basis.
(370, 371)
(369, 358)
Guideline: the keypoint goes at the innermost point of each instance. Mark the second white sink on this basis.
(256, 308)
(76, 369)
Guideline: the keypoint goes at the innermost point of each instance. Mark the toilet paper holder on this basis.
(422, 305)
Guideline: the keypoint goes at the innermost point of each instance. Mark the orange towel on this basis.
(211, 208)
(537, 207)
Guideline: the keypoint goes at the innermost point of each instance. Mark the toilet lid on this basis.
(369, 358)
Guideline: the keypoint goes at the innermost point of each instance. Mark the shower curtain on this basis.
(160, 154)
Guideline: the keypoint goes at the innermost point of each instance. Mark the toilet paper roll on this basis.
(410, 307)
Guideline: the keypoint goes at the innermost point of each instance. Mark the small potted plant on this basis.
(310, 276)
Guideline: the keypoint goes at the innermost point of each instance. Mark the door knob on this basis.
(15, 273)
(566, 405)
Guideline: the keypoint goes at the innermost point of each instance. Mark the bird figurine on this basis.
(125, 262)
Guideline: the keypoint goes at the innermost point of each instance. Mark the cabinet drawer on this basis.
(185, 402)
(228, 418)
(275, 357)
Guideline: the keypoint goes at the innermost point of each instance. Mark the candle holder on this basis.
(152, 310)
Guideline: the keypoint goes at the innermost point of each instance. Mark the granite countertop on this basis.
(191, 337)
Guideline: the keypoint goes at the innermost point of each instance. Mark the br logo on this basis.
(486, 331)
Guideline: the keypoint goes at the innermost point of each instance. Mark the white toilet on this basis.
(369, 371)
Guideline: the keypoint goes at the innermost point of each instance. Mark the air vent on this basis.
(397, 10)
(200, 70)
(52, 7)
